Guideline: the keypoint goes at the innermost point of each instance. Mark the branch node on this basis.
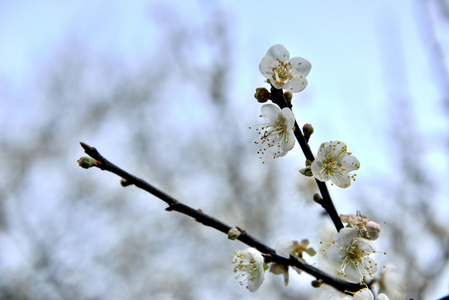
(267, 257)
(242, 231)
(125, 182)
(317, 283)
(317, 198)
(171, 207)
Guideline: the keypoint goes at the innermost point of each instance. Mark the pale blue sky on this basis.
(358, 49)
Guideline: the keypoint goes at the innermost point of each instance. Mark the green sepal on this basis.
(306, 172)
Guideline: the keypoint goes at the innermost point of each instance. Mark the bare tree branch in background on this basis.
(85, 242)
(78, 239)
(412, 197)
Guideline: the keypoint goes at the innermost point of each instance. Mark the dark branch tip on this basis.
(85, 146)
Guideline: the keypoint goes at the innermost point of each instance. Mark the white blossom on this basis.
(350, 255)
(334, 162)
(276, 135)
(366, 294)
(283, 72)
(363, 294)
(285, 248)
(249, 267)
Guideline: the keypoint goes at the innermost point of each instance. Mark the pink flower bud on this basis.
(373, 230)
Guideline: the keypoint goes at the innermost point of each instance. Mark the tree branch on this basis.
(277, 96)
(270, 255)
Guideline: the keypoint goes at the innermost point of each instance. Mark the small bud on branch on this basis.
(87, 162)
(262, 95)
(308, 131)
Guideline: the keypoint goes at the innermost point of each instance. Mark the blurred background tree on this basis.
(176, 117)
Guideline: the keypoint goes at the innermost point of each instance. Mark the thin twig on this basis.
(174, 205)
(277, 96)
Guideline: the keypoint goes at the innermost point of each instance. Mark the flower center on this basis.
(281, 73)
(354, 253)
(353, 257)
(271, 135)
(331, 166)
(332, 162)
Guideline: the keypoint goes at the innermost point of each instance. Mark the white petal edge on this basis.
(382, 297)
(296, 84)
(364, 294)
(345, 236)
(284, 247)
(270, 112)
(300, 65)
(266, 66)
(351, 163)
(289, 118)
(278, 51)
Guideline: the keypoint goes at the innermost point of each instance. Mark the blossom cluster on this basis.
(250, 265)
(349, 253)
(277, 134)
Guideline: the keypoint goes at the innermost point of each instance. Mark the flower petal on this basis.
(318, 170)
(300, 66)
(288, 142)
(341, 180)
(337, 146)
(257, 256)
(366, 245)
(296, 84)
(280, 269)
(270, 112)
(382, 297)
(369, 266)
(289, 118)
(254, 285)
(279, 52)
(352, 273)
(345, 236)
(335, 256)
(364, 294)
(324, 151)
(350, 163)
(266, 66)
(284, 247)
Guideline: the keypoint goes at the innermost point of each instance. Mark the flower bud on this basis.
(262, 95)
(308, 130)
(87, 162)
(234, 233)
(317, 283)
(288, 97)
(317, 198)
(373, 230)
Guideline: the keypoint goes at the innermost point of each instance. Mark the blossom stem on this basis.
(201, 217)
(277, 97)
